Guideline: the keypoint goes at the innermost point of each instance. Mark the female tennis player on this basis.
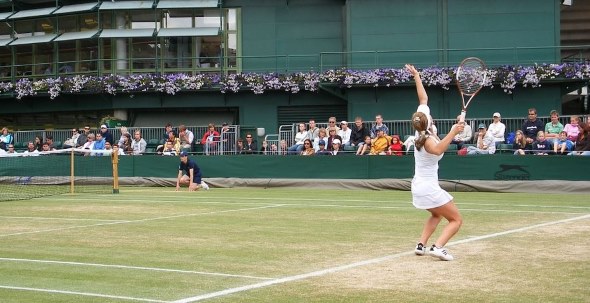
(426, 192)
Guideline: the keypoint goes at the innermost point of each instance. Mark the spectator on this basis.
(265, 150)
(49, 140)
(240, 146)
(358, 132)
(210, 139)
(307, 148)
(485, 142)
(169, 149)
(563, 145)
(464, 136)
(73, 140)
(582, 147)
(520, 145)
(332, 123)
(172, 137)
(332, 135)
(99, 144)
(126, 146)
(497, 129)
(282, 147)
(250, 145)
(365, 148)
(46, 148)
(227, 137)
(572, 128)
(106, 134)
(113, 149)
(380, 143)
(186, 137)
(541, 146)
(336, 147)
(379, 125)
(138, 144)
(345, 133)
(89, 142)
(121, 141)
(300, 137)
(553, 127)
(11, 151)
(31, 149)
(5, 139)
(38, 143)
(166, 135)
(532, 126)
(396, 147)
(322, 151)
(83, 138)
(313, 131)
(322, 135)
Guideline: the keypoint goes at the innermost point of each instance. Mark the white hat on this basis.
(103, 126)
(336, 141)
(344, 122)
(497, 114)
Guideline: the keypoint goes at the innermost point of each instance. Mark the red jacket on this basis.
(214, 136)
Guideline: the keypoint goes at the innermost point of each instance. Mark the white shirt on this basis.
(497, 129)
(300, 137)
(345, 135)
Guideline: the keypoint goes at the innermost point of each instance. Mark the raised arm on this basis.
(422, 96)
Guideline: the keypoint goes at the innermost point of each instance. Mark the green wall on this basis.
(452, 167)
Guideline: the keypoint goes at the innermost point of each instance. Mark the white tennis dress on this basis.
(426, 192)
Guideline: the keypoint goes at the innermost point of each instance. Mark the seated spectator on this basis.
(282, 150)
(113, 148)
(380, 143)
(332, 135)
(106, 134)
(563, 145)
(5, 139)
(31, 149)
(485, 142)
(210, 140)
(240, 146)
(73, 140)
(379, 125)
(396, 147)
(332, 123)
(46, 148)
(99, 144)
(165, 136)
(497, 129)
(38, 142)
(336, 148)
(520, 145)
(300, 137)
(169, 149)
(532, 126)
(541, 146)
(11, 150)
(186, 137)
(49, 140)
(89, 142)
(312, 132)
(307, 148)
(572, 129)
(345, 133)
(173, 138)
(138, 144)
(83, 137)
(359, 132)
(126, 145)
(250, 145)
(124, 131)
(464, 136)
(322, 135)
(365, 148)
(553, 128)
(265, 149)
(582, 147)
(322, 151)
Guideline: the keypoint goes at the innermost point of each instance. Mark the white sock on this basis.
(204, 185)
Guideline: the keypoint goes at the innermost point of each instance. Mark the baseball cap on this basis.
(224, 124)
(482, 125)
(103, 126)
(497, 114)
(183, 154)
(344, 122)
(336, 141)
(322, 142)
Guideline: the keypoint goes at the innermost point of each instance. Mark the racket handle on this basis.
(462, 116)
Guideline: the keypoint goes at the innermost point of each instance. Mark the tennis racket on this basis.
(470, 76)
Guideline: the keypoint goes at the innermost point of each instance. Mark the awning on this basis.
(190, 32)
(33, 13)
(127, 33)
(4, 42)
(77, 35)
(83, 7)
(187, 3)
(4, 16)
(33, 40)
(119, 5)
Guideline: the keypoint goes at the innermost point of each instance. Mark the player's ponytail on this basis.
(420, 124)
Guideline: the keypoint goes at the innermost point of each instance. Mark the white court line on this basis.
(87, 294)
(361, 263)
(225, 198)
(59, 219)
(139, 221)
(134, 267)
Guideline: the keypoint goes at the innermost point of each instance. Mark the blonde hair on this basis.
(420, 124)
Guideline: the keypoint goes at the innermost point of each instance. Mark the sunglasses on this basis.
(332, 122)
(248, 137)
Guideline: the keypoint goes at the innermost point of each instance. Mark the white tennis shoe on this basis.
(440, 253)
(420, 249)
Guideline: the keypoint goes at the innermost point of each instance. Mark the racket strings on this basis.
(471, 76)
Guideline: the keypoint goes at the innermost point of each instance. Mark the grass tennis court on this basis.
(289, 245)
